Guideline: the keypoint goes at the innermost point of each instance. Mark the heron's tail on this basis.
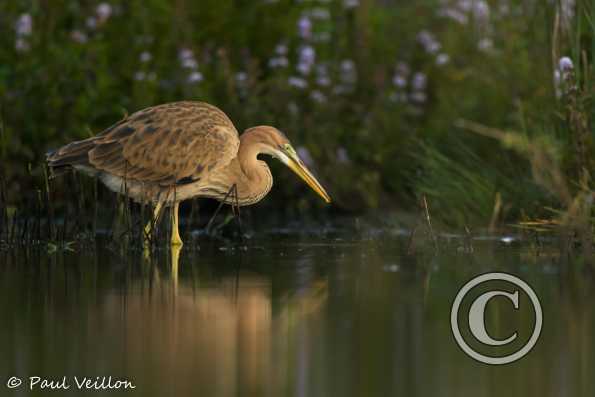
(68, 156)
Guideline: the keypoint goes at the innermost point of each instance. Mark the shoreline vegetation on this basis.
(475, 115)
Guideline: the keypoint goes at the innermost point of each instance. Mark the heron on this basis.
(165, 154)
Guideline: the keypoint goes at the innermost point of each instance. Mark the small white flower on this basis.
(140, 76)
(557, 77)
(419, 97)
(391, 268)
(21, 45)
(348, 71)
(465, 5)
(350, 3)
(429, 42)
(78, 36)
(278, 62)
(455, 15)
(433, 47)
(241, 77)
(565, 64)
(442, 59)
(187, 60)
(399, 81)
(145, 56)
(103, 11)
(322, 76)
(189, 63)
(307, 57)
(485, 44)
(185, 53)
(195, 77)
(323, 81)
(420, 81)
(281, 49)
(424, 36)
(403, 69)
(563, 76)
(320, 13)
(305, 27)
(347, 65)
(481, 10)
(318, 96)
(297, 82)
(24, 25)
(303, 68)
(91, 23)
(307, 54)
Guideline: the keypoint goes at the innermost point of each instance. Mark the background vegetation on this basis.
(485, 107)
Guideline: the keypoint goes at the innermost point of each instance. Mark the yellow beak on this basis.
(300, 169)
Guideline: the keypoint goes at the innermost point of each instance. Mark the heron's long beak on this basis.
(298, 166)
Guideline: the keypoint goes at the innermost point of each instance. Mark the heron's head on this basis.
(273, 142)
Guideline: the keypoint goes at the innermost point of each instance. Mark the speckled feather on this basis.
(161, 145)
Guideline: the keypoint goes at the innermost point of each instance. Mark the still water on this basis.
(294, 313)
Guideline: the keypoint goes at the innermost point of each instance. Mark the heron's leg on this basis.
(175, 233)
(217, 210)
(239, 217)
(175, 259)
(152, 222)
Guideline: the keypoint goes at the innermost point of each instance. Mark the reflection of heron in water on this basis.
(173, 152)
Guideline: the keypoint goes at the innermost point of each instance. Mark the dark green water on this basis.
(294, 314)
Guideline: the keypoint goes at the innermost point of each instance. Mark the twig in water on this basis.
(468, 241)
(429, 221)
(495, 213)
(50, 205)
(411, 236)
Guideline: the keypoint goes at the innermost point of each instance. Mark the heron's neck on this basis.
(257, 180)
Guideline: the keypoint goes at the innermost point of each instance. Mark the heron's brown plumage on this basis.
(158, 145)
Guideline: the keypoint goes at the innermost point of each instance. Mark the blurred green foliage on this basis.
(370, 91)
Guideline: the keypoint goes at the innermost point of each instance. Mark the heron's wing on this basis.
(165, 144)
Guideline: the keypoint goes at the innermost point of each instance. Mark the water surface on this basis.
(335, 313)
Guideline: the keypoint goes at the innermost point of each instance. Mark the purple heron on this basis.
(169, 153)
